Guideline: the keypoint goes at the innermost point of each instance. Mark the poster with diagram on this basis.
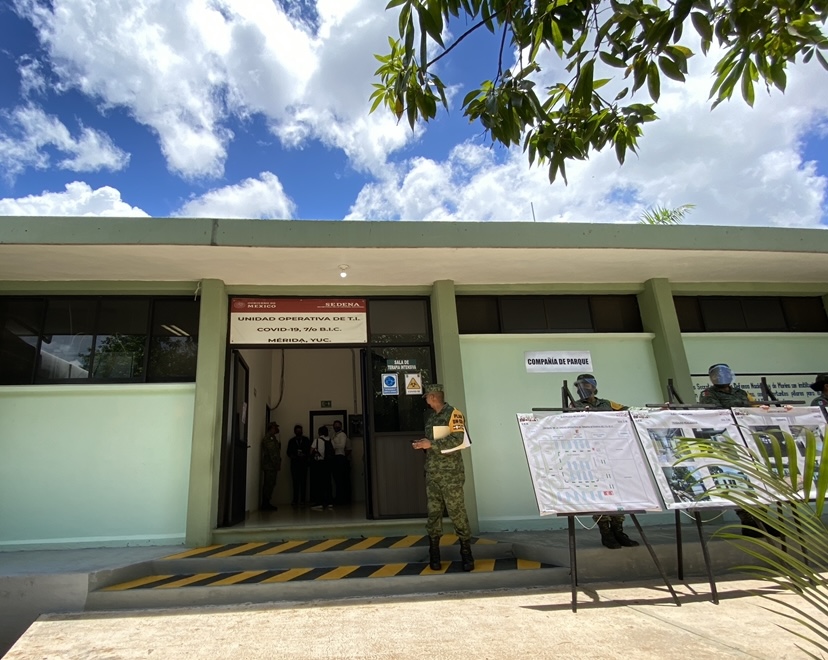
(687, 486)
(587, 462)
(760, 427)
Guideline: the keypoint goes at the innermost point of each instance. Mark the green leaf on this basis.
(669, 68)
(582, 93)
(394, 3)
(653, 82)
(557, 39)
(822, 60)
(611, 60)
(702, 25)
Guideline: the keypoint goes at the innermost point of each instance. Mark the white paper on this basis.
(686, 486)
(757, 425)
(587, 462)
(463, 445)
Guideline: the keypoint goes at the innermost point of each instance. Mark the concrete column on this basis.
(205, 454)
(450, 372)
(658, 315)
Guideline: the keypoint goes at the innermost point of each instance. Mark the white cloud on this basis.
(32, 77)
(79, 199)
(252, 198)
(32, 131)
(184, 68)
(739, 166)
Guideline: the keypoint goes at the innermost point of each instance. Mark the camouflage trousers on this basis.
(446, 490)
(613, 520)
(268, 484)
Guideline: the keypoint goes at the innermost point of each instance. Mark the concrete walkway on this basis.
(614, 620)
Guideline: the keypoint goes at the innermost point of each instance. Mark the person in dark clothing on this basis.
(298, 451)
(321, 471)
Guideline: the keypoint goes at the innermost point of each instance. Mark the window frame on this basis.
(99, 299)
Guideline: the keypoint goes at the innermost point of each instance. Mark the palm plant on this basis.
(791, 549)
(661, 215)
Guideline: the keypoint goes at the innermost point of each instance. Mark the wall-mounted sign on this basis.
(786, 387)
(390, 385)
(543, 361)
(413, 383)
(298, 321)
(398, 364)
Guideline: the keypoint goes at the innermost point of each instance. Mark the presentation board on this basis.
(757, 426)
(586, 463)
(686, 486)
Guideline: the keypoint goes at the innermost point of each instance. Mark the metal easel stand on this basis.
(573, 555)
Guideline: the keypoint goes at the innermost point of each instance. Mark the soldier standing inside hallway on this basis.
(612, 531)
(271, 464)
(445, 476)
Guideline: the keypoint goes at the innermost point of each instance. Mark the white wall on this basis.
(498, 387)
(310, 377)
(94, 465)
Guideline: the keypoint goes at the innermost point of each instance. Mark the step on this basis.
(305, 570)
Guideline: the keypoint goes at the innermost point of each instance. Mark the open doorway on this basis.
(311, 387)
(365, 360)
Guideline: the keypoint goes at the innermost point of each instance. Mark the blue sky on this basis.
(259, 109)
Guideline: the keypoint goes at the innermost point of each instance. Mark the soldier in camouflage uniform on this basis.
(445, 476)
(820, 385)
(724, 395)
(611, 527)
(271, 464)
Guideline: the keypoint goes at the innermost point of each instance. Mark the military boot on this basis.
(434, 562)
(607, 537)
(618, 532)
(466, 556)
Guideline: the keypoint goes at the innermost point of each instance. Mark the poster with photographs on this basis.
(587, 462)
(686, 486)
(759, 426)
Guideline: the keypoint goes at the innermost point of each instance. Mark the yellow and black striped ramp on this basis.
(326, 545)
(329, 573)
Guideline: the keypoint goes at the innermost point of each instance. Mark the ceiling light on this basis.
(343, 270)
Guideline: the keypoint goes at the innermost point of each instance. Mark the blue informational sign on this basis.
(390, 385)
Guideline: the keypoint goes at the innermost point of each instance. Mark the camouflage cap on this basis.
(432, 389)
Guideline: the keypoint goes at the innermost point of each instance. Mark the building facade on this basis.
(130, 413)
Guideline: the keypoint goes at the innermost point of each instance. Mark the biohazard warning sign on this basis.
(413, 383)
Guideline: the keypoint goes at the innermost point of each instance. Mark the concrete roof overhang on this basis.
(309, 253)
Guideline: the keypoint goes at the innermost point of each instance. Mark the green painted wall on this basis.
(498, 387)
(94, 464)
(758, 352)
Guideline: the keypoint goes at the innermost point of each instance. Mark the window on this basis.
(174, 343)
(530, 314)
(398, 321)
(20, 323)
(63, 339)
(750, 314)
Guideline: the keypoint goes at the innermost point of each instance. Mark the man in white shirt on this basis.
(342, 464)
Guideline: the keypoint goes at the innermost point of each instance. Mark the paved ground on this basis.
(614, 620)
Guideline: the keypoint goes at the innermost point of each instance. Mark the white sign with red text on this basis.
(298, 321)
